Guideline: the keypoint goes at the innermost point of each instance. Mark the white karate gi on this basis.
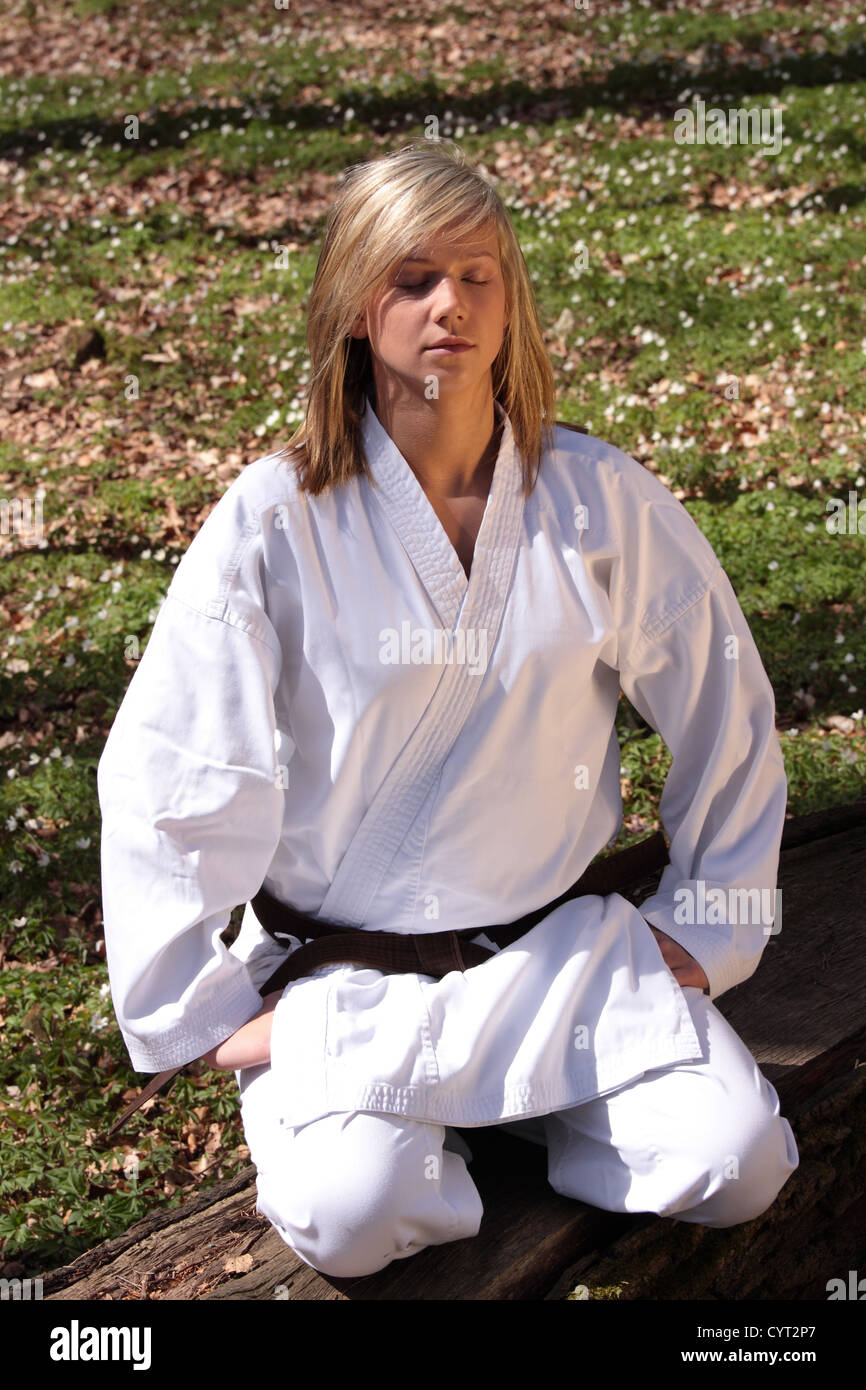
(295, 720)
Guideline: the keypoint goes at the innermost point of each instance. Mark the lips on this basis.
(450, 343)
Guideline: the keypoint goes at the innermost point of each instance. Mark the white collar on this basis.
(410, 512)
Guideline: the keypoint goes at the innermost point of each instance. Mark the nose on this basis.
(447, 298)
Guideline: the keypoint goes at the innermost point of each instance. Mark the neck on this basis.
(451, 444)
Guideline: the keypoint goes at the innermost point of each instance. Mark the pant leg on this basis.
(700, 1141)
(352, 1191)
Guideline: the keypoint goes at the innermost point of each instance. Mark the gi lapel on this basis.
(471, 611)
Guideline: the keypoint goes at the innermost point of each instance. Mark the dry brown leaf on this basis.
(43, 381)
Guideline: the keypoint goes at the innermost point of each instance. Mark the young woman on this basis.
(382, 689)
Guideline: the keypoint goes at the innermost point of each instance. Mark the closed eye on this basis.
(420, 284)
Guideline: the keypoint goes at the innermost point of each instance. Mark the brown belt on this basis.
(433, 953)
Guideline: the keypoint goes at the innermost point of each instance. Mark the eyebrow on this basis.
(427, 260)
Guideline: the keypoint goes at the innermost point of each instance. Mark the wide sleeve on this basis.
(192, 808)
(694, 673)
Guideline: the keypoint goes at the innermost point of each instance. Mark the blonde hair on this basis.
(384, 209)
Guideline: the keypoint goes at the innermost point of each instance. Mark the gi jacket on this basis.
(327, 705)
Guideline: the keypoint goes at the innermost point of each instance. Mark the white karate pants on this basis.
(701, 1140)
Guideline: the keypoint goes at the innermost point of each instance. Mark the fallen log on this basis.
(803, 1017)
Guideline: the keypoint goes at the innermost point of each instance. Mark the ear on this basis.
(359, 327)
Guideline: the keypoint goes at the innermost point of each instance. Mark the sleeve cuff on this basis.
(194, 1035)
(723, 965)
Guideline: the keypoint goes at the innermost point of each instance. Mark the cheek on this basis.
(401, 327)
(497, 324)
(498, 309)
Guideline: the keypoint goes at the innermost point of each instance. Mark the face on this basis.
(445, 288)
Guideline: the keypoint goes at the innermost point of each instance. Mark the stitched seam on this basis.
(250, 530)
(220, 607)
(650, 631)
(230, 619)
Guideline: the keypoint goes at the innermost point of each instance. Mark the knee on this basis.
(744, 1171)
(338, 1230)
(355, 1222)
(344, 1242)
(342, 1228)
